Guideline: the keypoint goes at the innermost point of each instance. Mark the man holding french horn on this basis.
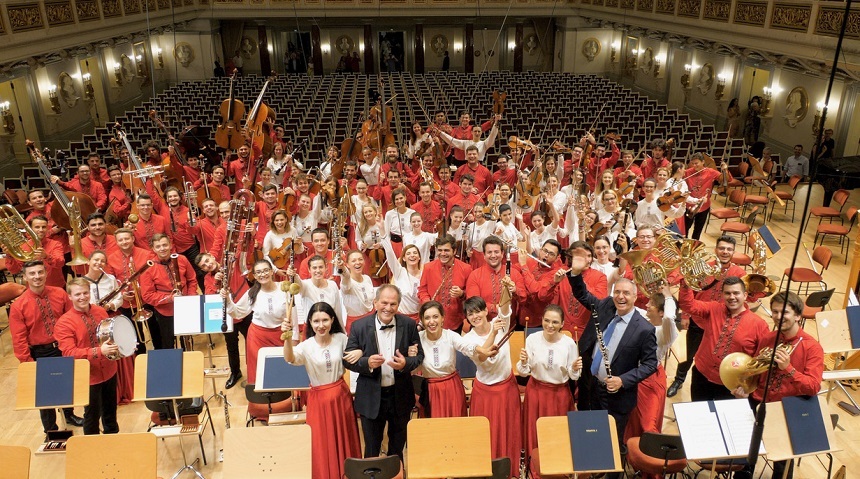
(77, 334)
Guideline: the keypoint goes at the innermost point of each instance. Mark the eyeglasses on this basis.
(549, 253)
(263, 272)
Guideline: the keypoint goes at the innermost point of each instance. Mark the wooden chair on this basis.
(16, 462)
(821, 255)
(839, 231)
(788, 196)
(840, 198)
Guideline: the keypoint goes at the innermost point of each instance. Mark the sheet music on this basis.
(737, 420)
(700, 430)
(852, 298)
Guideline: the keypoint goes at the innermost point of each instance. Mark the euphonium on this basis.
(741, 369)
(649, 275)
(75, 221)
(16, 235)
(757, 281)
(699, 266)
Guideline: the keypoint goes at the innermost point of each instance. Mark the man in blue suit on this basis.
(629, 346)
(384, 392)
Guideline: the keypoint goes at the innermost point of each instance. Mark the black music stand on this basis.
(387, 467)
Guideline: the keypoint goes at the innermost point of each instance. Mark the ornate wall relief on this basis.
(645, 5)
(88, 10)
(59, 13)
(184, 53)
(439, 43)
(248, 47)
(706, 78)
(829, 22)
(791, 17)
(796, 106)
(689, 8)
(718, 10)
(68, 90)
(131, 6)
(111, 8)
(25, 17)
(751, 13)
(591, 48)
(666, 6)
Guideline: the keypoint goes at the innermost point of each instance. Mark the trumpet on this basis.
(17, 236)
(741, 370)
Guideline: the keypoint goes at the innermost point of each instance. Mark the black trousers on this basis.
(102, 406)
(373, 429)
(49, 416)
(702, 389)
(694, 340)
(697, 223)
(620, 418)
(166, 339)
(231, 340)
(586, 399)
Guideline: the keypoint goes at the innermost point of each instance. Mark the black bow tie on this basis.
(386, 326)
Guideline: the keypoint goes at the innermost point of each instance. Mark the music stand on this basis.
(131, 456)
(257, 453)
(26, 393)
(776, 435)
(449, 447)
(202, 314)
(555, 453)
(274, 375)
(192, 387)
(834, 336)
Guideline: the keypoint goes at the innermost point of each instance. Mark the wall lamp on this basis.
(8, 120)
(54, 99)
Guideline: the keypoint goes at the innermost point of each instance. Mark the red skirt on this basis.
(334, 432)
(500, 404)
(125, 380)
(414, 316)
(259, 337)
(352, 319)
(447, 396)
(647, 416)
(542, 400)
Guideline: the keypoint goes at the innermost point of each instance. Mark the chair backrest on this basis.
(16, 461)
(851, 215)
(501, 468)
(737, 196)
(743, 168)
(131, 455)
(819, 299)
(662, 446)
(841, 197)
(387, 467)
(822, 255)
(794, 181)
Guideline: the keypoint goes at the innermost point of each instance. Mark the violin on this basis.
(174, 173)
(612, 136)
(428, 177)
(227, 135)
(670, 199)
(280, 256)
(559, 147)
(499, 102)
(627, 187)
(526, 196)
(378, 268)
(514, 142)
(461, 247)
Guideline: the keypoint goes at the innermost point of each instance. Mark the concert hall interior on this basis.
(562, 165)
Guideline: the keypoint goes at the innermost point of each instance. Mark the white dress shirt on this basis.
(385, 339)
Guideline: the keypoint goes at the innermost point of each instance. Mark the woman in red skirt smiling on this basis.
(445, 395)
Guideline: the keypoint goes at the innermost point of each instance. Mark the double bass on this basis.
(227, 135)
(61, 207)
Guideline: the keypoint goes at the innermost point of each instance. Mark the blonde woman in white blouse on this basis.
(279, 231)
(101, 283)
(315, 290)
(406, 275)
(551, 359)
(445, 394)
(356, 289)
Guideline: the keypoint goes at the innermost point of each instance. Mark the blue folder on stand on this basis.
(806, 428)
(591, 441)
(280, 374)
(853, 313)
(164, 373)
(55, 381)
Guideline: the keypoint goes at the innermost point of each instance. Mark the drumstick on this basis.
(505, 338)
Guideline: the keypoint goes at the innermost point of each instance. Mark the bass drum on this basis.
(120, 331)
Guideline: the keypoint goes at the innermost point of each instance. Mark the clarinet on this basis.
(603, 350)
(524, 468)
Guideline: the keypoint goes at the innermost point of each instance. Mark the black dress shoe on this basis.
(674, 387)
(73, 420)
(233, 379)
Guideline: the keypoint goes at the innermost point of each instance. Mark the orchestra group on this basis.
(390, 260)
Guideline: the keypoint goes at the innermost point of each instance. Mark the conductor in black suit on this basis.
(630, 344)
(384, 393)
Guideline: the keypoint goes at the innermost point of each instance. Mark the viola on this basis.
(526, 196)
(280, 256)
(232, 111)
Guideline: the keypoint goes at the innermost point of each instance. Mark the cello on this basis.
(378, 266)
(257, 117)
(227, 135)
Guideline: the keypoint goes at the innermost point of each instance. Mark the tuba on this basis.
(699, 266)
(649, 275)
(757, 281)
(742, 370)
(16, 235)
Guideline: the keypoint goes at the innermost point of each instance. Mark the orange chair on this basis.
(737, 197)
(742, 259)
(821, 255)
(656, 454)
(739, 227)
(839, 231)
(788, 196)
(840, 198)
(738, 183)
